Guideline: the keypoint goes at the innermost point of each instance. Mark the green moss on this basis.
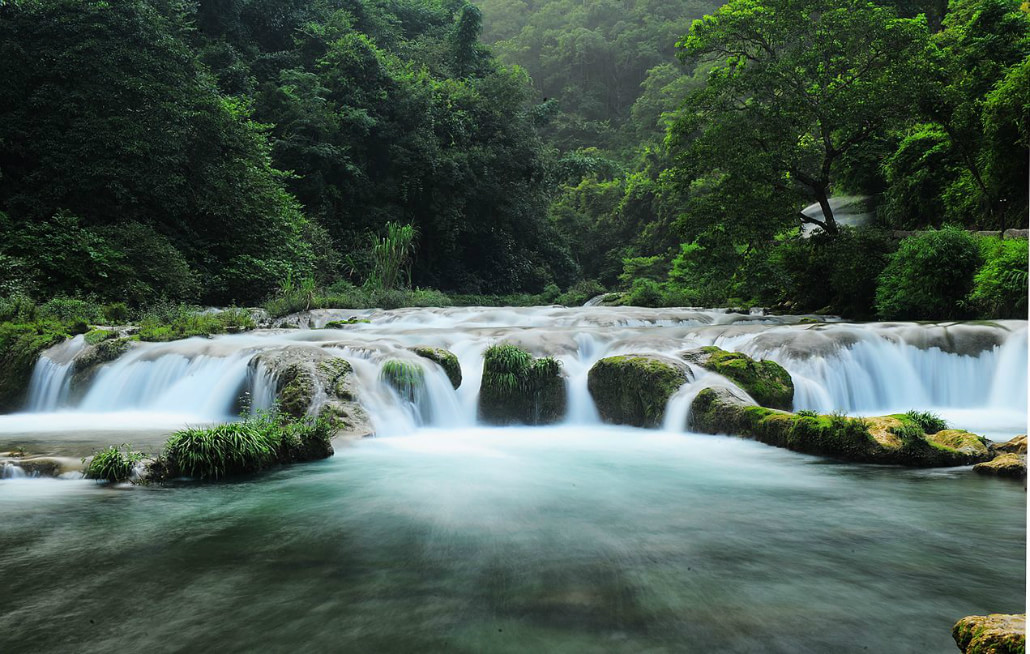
(185, 322)
(634, 389)
(517, 388)
(445, 359)
(837, 436)
(765, 381)
(297, 393)
(405, 377)
(20, 347)
(341, 324)
(992, 634)
(95, 336)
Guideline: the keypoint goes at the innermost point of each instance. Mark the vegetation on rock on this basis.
(444, 358)
(765, 381)
(634, 389)
(991, 634)
(518, 388)
(243, 447)
(888, 439)
(405, 377)
(114, 464)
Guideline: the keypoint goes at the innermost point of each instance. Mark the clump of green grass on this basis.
(253, 444)
(930, 423)
(114, 465)
(174, 322)
(806, 413)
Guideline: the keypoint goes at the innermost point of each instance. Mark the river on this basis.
(441, 534)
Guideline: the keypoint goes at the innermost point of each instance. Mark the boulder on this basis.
(1015, 446)
(519, 389)
(444, 358)
(633, 389)
(88, 362)
(991, 634)
(885, 439)
(311, 381)
(765, 381)
(1006, 464)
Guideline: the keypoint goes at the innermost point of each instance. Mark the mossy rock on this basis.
(765, 381)
(312, 381)
(991, 634)
(1015, 446)
(405, 377)
(1006, 464)
(633, 389)
(20, 348)
(343, 324)
(519, 389)
(88, 362)
(884, 439)
(446, 360)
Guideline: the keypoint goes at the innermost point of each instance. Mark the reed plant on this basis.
(114, 464)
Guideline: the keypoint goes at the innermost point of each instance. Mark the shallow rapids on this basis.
(975, 375)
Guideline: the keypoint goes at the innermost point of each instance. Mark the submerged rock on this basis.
(311, 381)
(885, 439)
(997, 633)
(519, 389)
(1006, 464)
(765, 381)
(444, 358)
(633, 389)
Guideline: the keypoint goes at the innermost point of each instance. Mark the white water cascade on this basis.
(975, 375)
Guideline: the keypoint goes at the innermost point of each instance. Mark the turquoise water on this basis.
(592, 539)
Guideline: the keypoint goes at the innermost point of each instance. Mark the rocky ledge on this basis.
(991, 634)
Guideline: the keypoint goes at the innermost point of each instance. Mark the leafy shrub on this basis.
(71, 311)
(1000, 286)
(579, 293)
(929, 277)
(930, 423)
(113, 464)
(644, 293)
(836, 274)
(116, 313)
(172, 322)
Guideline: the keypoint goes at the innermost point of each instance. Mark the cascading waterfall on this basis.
(967, 370)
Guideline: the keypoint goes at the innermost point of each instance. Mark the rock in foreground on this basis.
(767, 382)
(518, 389)
(633, 389)
(1004, 465)
(991, 634)
(886, 439)
(311, 381)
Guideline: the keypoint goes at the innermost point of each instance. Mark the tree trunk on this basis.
(829, 224)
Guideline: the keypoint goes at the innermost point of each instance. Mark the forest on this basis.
(303, 153)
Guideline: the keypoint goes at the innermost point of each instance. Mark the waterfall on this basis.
(977, 372)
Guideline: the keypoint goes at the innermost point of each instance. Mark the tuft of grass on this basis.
(114, 465)
(253, 444)
(806, 413)
(174, 322)
(930, 423)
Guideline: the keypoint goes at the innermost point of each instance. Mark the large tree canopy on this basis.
(798, 85)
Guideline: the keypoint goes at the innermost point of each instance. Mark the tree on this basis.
(797, 86)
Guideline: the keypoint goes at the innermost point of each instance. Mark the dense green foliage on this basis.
(921, 108)
(244, 447)
(114, 464)
(141, 144)
(355, 153)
